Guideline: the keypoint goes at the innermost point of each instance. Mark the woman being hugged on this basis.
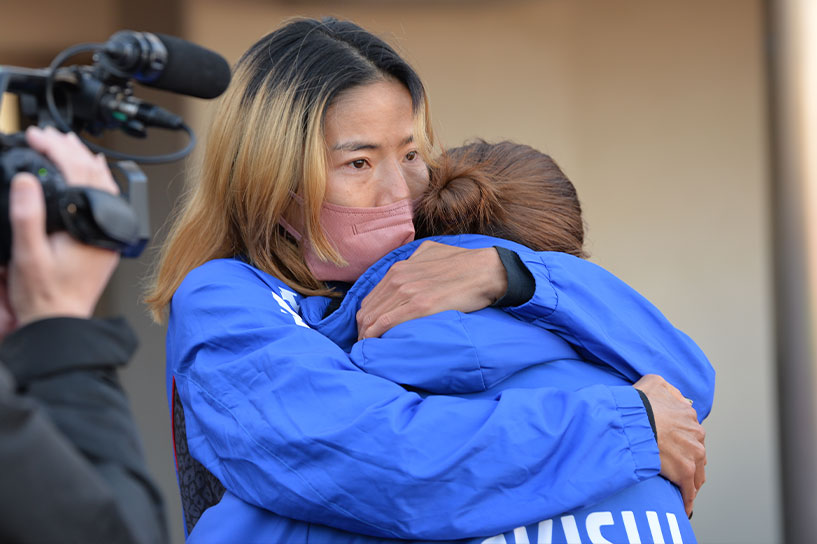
(313, 159)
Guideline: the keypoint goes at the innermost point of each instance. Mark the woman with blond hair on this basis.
(313, 159)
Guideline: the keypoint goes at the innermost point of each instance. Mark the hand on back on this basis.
(680, 437)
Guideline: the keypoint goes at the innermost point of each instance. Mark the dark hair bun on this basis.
(461, 197)
(506, 190)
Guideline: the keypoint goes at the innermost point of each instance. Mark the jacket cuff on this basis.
(637, 429)
(544, 300)
(61, 344)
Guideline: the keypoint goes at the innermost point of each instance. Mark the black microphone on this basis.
(166, 62)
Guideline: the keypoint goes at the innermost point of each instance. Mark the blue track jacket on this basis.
(481, 354)
(299, 435)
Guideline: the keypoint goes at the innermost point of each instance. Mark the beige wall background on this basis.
(656, 111)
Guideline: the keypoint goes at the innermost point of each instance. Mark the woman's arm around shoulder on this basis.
(600, 315)
(611, 323)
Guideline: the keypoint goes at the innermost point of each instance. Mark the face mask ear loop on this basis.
(284, 223)
(290, 229)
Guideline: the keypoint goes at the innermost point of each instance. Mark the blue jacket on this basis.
(300, 436)
(484, 353)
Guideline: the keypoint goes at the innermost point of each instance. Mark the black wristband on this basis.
(521, 284)
(648, 407)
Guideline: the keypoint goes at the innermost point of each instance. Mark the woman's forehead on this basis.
(373, 115)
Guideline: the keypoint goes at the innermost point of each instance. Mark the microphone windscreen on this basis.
(191, 69)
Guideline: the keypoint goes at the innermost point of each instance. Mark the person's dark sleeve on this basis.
(73, 464)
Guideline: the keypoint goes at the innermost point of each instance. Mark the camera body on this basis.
(91, 216)
(93, 99)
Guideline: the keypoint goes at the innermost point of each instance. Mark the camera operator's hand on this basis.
(54, 275)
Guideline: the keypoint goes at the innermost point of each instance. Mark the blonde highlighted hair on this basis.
(266, 142)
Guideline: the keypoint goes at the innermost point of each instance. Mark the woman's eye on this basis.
(358, 164)
(411, 155)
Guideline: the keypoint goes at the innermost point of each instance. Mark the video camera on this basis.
(94, 99)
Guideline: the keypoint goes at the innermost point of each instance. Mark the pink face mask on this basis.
(360, 235)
